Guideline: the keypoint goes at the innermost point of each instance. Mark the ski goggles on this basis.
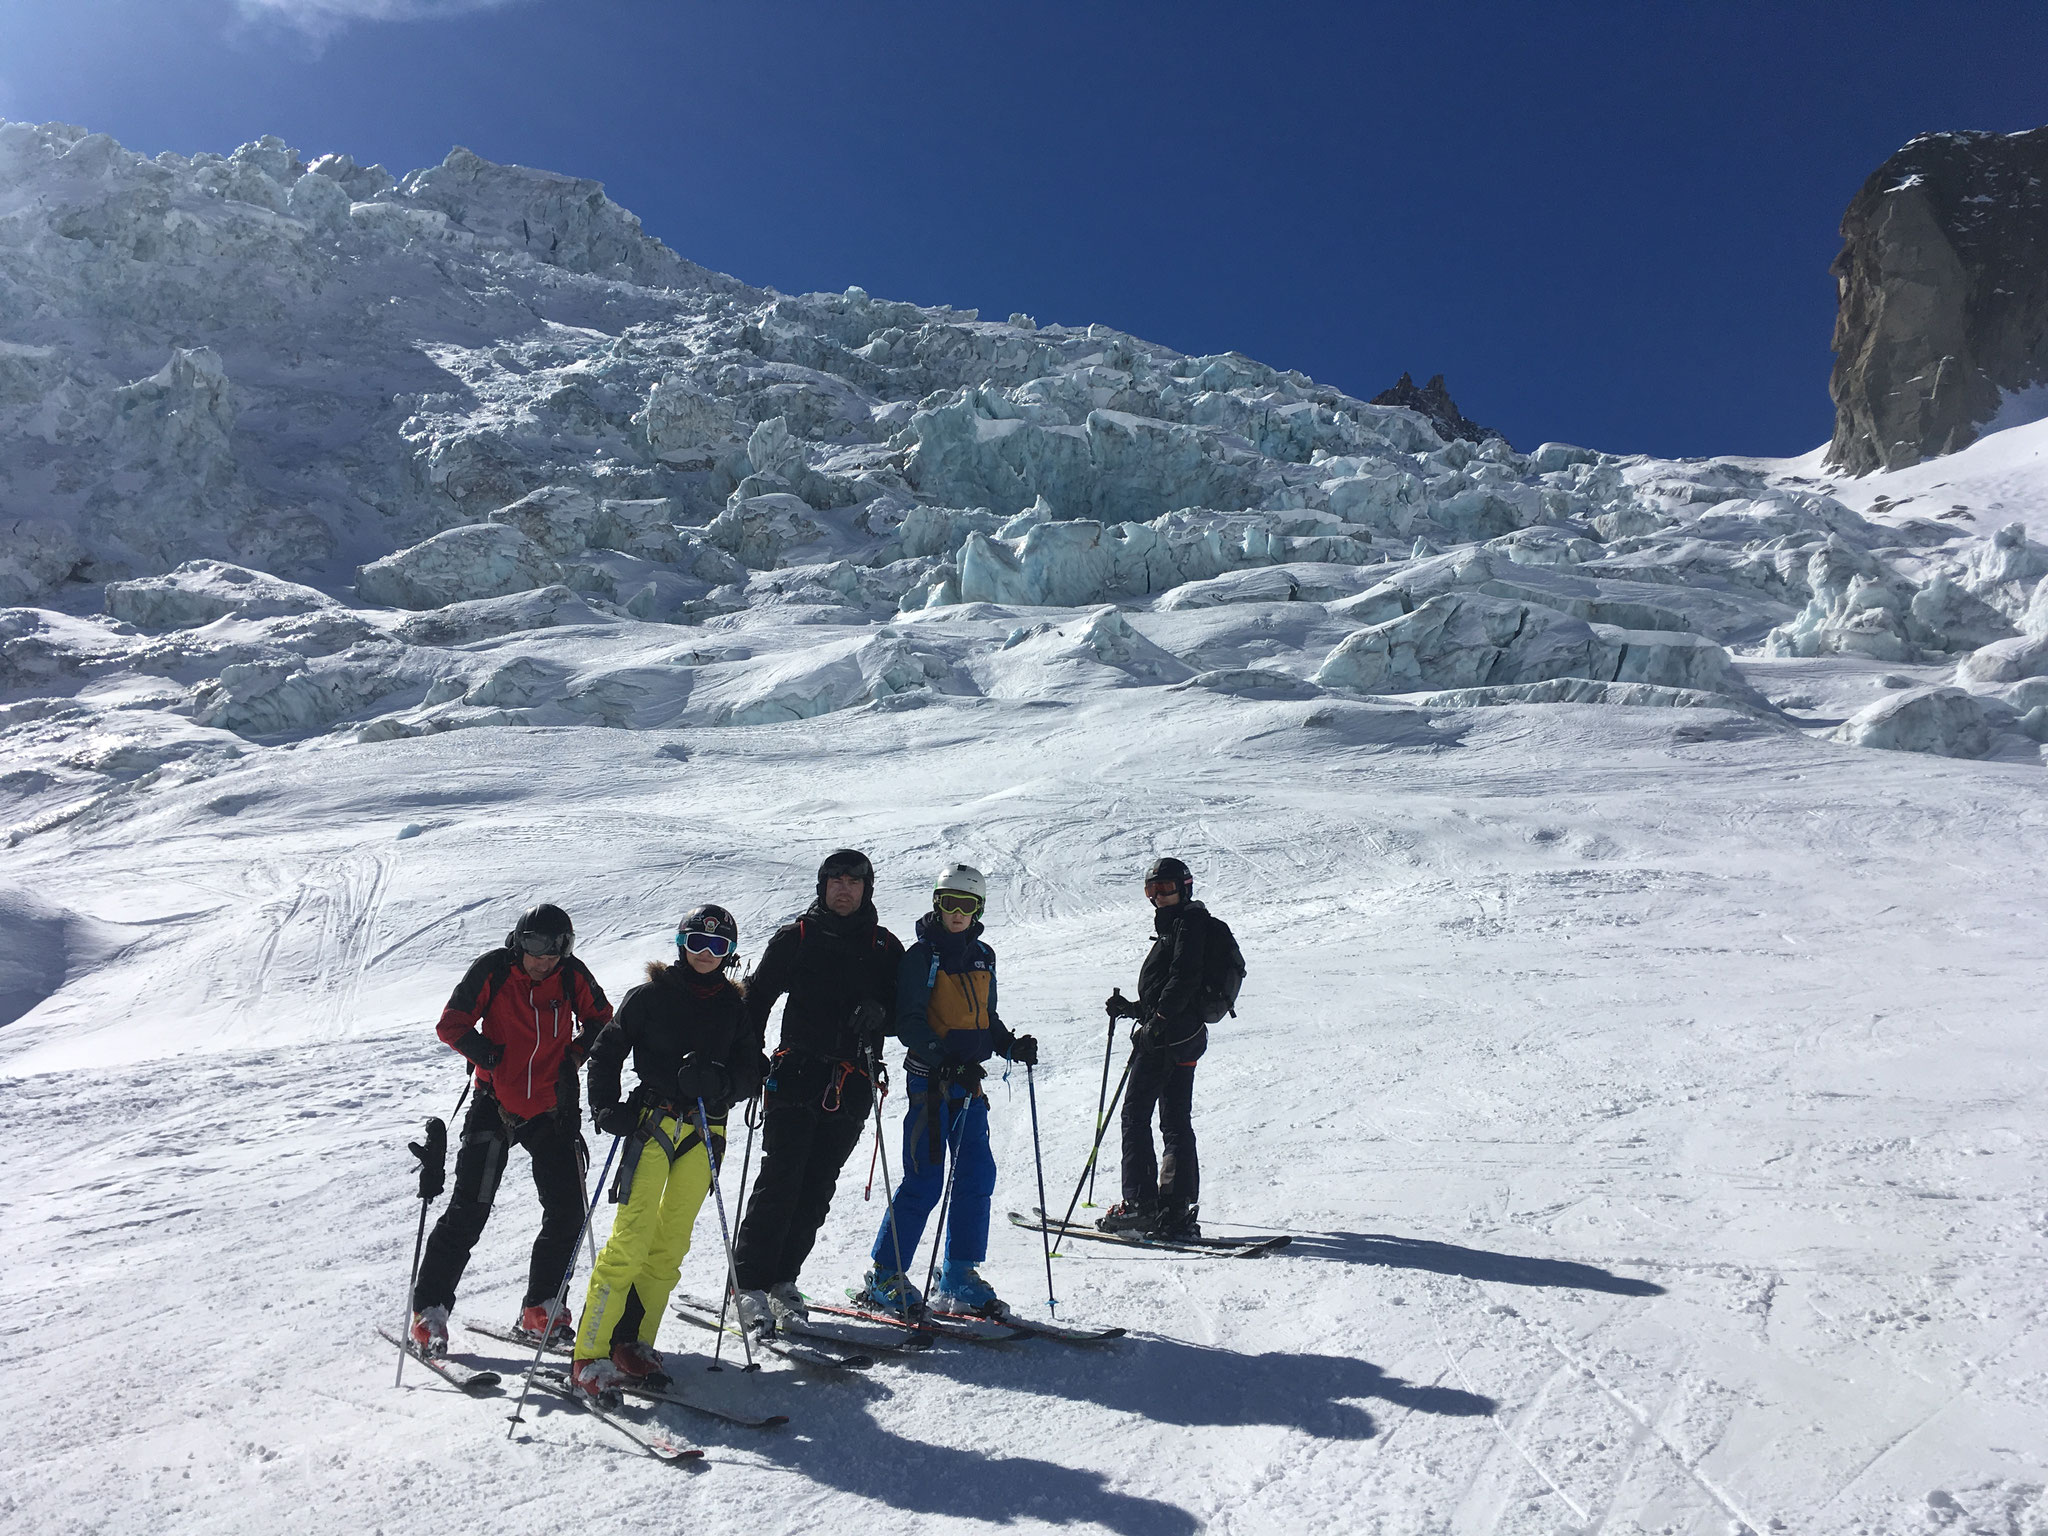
(854, 867)
(716, 945)
(956, 901)
(546, 943)
(1163, 883)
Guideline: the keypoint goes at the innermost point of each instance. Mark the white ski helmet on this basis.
(965, 879)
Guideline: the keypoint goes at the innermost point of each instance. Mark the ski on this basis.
(974, 1330)
(1219, 1247)
(672, 1393)
(848, 1335)
(790, 1349)
(1039, 1330)
(454, 1372)
(656, 1442)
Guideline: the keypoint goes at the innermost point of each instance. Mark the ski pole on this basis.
(732, 1268)
(1093, 1151)
(562, 1291)
(433, 1156)
(583, 1173)
(1038, 1157)
(1102, 1094)
(946, 1196)
(888, 1184)
(751, 1114)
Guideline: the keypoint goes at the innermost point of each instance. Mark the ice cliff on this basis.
(297, 448)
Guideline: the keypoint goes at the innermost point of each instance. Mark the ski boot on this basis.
(1129, 1216)
(786, 1302)
(597, 1379)
(756, 1313)
(891, 1292)
(1175, 1222)
(430, 1331)
(962, 1290)
(548, 1320)
(641, 1364)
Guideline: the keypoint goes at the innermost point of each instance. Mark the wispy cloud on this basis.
(321, 19)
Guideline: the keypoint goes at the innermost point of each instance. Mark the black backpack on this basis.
(1222, 972)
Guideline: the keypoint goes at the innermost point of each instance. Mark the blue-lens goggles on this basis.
(716, 945)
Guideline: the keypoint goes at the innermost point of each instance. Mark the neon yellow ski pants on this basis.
(649, 1238)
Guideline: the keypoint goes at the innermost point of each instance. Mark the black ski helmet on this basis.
(847, 861)
(1172, 869)
(711, 919)
(543, 930)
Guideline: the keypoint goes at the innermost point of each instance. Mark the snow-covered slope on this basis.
(1640, 1067)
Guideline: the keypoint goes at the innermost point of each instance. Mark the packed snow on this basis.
(1634, 1054)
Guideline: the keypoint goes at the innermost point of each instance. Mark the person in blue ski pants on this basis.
(946, 1017)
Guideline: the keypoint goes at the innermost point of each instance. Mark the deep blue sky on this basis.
(1609, 224)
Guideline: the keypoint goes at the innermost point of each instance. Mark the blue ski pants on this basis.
(963, 1126)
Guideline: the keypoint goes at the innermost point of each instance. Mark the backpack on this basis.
(1222, 972)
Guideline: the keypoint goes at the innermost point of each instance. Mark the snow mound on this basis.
(200, 591)
(461, 565)
(1466, 640)
(1946, 722)
(1579, 690)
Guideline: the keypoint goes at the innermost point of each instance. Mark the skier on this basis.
(1159, 1196)
(686, 1029)
(513, 1015)
(946, 1016)
(837, 964)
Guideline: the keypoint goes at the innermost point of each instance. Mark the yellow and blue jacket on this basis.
(946, 998)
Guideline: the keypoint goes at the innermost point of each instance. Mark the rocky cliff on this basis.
(1943, 278)
(1433, 400)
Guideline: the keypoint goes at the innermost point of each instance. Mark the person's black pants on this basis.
(1159, 1081)
(803, 1147)
(487, 1142)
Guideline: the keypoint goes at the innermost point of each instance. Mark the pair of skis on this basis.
(1217, 1247)
(672, 1393)
(652, 1439)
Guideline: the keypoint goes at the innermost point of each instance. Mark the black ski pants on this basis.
(803, 1147)
(1159, 1081)
(487, 1142)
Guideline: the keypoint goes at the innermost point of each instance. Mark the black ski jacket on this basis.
(828, 965)
(1170, 981)
(673, 1017)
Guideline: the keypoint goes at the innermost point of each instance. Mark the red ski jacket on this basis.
(533, 1020)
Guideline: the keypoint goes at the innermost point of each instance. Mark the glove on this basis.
(706, 1080)
(485, 1053)
(1150, 1033)
(1024, 1050)
(747, 1077)
(870, 1017)
(615, 1119)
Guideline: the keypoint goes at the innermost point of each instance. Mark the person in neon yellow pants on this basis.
(685, 1030)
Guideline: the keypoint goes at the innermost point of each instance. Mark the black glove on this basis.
(615, 1119)
(747, 1077)
(1117, 1006)
(1150, 1033)
(485, 1053)
(433, 1156)
(1024, 1050)
(870, 1017)
(706, 1080)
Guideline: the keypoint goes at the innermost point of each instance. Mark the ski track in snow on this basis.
(1653, 1115)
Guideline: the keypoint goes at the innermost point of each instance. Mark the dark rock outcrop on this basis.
(1435, 402)
(1943, 283)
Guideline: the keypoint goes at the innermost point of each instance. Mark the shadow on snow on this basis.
(1469, 1263)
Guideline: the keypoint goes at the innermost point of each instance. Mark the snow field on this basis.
(1650, 1107)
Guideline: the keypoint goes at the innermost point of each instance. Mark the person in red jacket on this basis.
(514, 1015)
